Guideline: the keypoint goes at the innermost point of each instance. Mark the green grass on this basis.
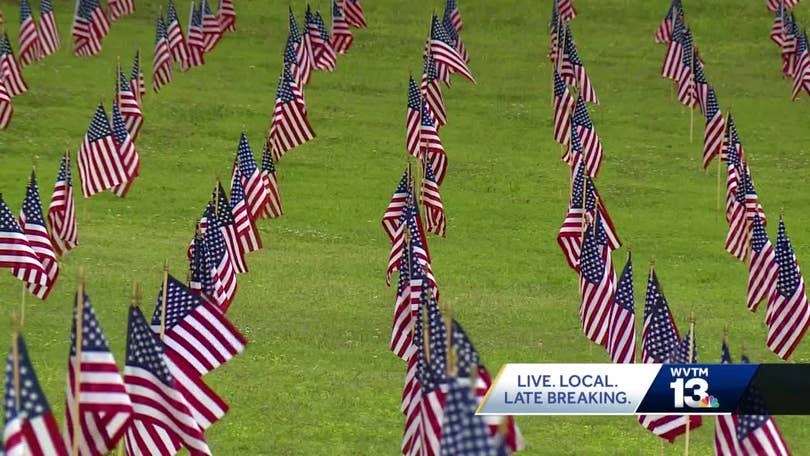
(317, 377)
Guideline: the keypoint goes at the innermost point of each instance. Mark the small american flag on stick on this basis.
(290, 127)
(177, 40)
(62, 210)
(273, 208)
(432, 200)
(622, 328)
(30, 48)
(48, 33)
(11, 70)
(33, 226)
(162, 61)
(762, 267)
(342, 38)
(100, 164)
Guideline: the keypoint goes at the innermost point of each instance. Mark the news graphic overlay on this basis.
(634, 389)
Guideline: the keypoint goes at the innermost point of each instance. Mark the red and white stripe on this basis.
(788, 320)
(434, 209)
(586, 90)
(290, 127)
(713, 138)
(62, 216)
(739, 228)
(41, 245)
(204, 404)
(725, 436)
(673, 61)
(130, 111)
(563, 108)
(273, 208)
(687, 93)
(778, 30)
(132, 166)
(100, 166)
(773, 5)
(763, 271)
(353, 11)
(227, 16)
(30, 49)
(255, 192)
(432, 93)
(6, 107)
(195, 42)
(177, 44)
(566, 9)
(413, 126)
(249, 238)
(223, 278)
(569, 237)
(342, 38)
(12, 74)
(622, 335)
(33, 436)
(211, 28)
(598, 301)
(323, 55)
(801, 74)
(17, 254)
(448, 57)
(664, 33)
(592, 149)
(669, 427)
(161, 65)
(121, 8)
(430, 146)
(48, 34)
(765, 440)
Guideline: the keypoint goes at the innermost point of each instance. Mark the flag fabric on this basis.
(136, 80)
(398, 238)
(303, 60)
(219, 265)
(777, 29)
(33, 226)
(30, 48)
(101, 166)
(401, 343)
(29, 425)
(11, 70)
(772, 5)
(117, 9)
(273, 207)
(673, 59)
(393, 213)
(758, 434)
(249, 238)
(622, 323)
(290, 127)
(686, 76)
(177, 40)
(714, 130)
(591, 144)
(354, 13)
(436, 221)
(413, 120)
(444, 52)
(431, 90)
(701, 84)
(341, 33)
(221, 210)
(126, 149)
(451, 11)
(788, 312)
(48, 33)
(62, 210)
(212, 31)
(464, 432)
(227, 15)
(323, 56)
(563, 108)
(105, 409)
(162, 61)
(573, 70)
(455, 38)
(255, 190)
(195, 42)
(725, 434)
(6, 107)
(90, 26)
(738, 226)
(801, 74)
(597, 283)
(430, 145)
(664, 33)
(566, 9)
(762, 267)
(129, 106)
(162, 422)
(790, 30)
(554, 34)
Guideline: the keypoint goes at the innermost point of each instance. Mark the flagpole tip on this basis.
(165, 265)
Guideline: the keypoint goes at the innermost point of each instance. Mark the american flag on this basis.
(212, 31)
(464, 432)
(195, 331)
(129, 106)
(566, 9)
(622, 327)
(117, 9)
(101, 166)
(563, 107)
(430, 145)
(778, 27)
(48, 33)
(341, 33)
(255, 190)
(686, 82)
(659, 340)
(246, 231)
(447, 23)
(391, 218)
(758, 434)
(90, 25)
(136, 80)
(227, 15)
(801, 75)
(701, 83)
(105, 409)
(219, 265)
(431, 90)
(200, 281)
(597, 283)
(413, 120)
(573, 70)
(221, 209)
(674, 56)
(30, 49)
(162, 61)
(411, 296)
(33, 226)
(324, 54)
(585, 202)
(290, 127)
(762, 267)
(432, 200)
(591, 145)
(772, 5)
(554, 33)
(162, 421)
(788, 310)
(303, 59)
(195, 42)
(752, 204)
(451, 11)
(401, 343)
(354, 13)
(291, 60)
(738, 227)
(714, 130)
(126, 149)
(664, 33)
(273, 208)
(6, 108)
(398, 238)
(725, 434)
(30, 427)
(10, 68)
(789, 45)
(177, 40)
(62, 210)
(444, 52)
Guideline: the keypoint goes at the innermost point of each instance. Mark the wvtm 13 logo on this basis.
(691, 389)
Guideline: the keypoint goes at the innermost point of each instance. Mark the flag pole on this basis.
(691, 360)
(22, 305)
(15, 355)
(77, 367)
(165, 295)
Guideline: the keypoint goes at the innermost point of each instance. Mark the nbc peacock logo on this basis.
(709, 401)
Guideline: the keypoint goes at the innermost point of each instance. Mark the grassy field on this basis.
(317, 377)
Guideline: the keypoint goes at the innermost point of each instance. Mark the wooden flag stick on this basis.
(690, 358)
(165, 295)
(694, 93)
(15, 355)
(77, 366)
(22, 304)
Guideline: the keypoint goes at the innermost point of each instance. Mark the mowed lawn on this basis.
(317, 377)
